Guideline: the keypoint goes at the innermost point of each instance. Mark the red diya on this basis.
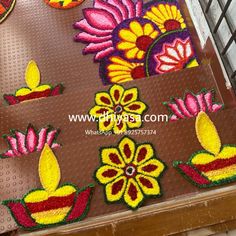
(63, 4)
(6, 7)
(51, 205)
(213, 166)
(34, 89)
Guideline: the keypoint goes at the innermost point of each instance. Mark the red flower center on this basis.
(172, 25)
(130, 171)
(118, 109)
(143, 42)
(138, 72)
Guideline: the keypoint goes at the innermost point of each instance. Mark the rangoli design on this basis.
(130, 172)
(63, 4)
(213, 166)
(51, 205)
(132, 40)
(192, 104)
(35, 89)
(23, 143)
(6, 7)
(118, 110)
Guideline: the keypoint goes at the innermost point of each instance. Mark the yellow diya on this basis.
(53, 204)
(34, 89)
(213, 166)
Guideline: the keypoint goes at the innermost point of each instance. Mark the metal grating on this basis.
(221, 20)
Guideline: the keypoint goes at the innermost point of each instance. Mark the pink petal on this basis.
(182, 107)
(216, 107)
(8, 153)
(58, 90)
(192, 104)
(174, 118)
(88, 38)
(208, 98)
(81, 204)
(31, 139)
(100, 19)
(175, 110)
(139, 8)
(20, 213)
(104, 53)
(51, 136)
(201, 102)
(21, 143)
(13, 143)
(96, 47)
(109, 8)
(122, 8)
(42, 139)
(84, 26)
(130, 7)
(55, 145)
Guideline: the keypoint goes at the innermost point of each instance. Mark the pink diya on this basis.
(213, 166)
(23, 143)
(34, 89)
(51, 205)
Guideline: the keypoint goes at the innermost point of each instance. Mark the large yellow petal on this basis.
(148, 185)
(130, 95)
(42, 88)
(121, 79)
(133, 195)
(106, 174)
(136, 107)
(148, 29)
(116, 92)
(131, 54)
(127, 35)
(112, 157)
(125, 45)
(120, 61)
(227, 152)
(120, 126)
(158, 14)
(127, 149)
(162, 9)
(115, 190)
(152, 168)
(49, 170)
(143, 153)
(23, 92)
(207, 134)
(32, 75)
(106, 123)
(103, 99)
(98, 111)
(136, 28)
(202, 158)
(133, 121)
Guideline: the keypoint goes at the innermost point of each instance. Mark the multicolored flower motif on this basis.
(21, 143)
(100, 21)
(136, 39)
(167, 16)
(118, 110)
(176, 56)
(192, 104)
(63, 4)
(6, 7)
(120, 70)
(35, 89)
(52, 205)
(130, 172)
(152, 35)
(213, 166)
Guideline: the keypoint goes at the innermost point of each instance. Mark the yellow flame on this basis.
(32, 75)
(207, 134)
(49, 170)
